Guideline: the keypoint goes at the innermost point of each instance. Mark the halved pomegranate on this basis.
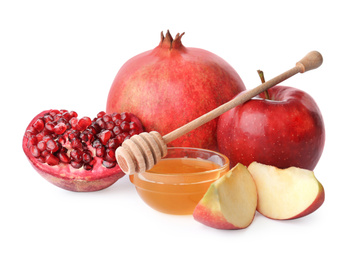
(78, 154)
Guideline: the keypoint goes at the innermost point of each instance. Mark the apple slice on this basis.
(230, 202)
(286, 193)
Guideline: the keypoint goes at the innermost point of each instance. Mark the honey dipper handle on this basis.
(311, 61)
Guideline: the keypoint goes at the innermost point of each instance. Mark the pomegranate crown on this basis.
(168, 42)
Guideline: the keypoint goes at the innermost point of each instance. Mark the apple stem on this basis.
(261, 75)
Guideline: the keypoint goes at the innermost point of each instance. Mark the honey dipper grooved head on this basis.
(141, 152)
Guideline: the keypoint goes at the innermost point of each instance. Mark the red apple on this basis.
(285, 130)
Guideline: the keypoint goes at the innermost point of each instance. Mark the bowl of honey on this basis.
(178, 181)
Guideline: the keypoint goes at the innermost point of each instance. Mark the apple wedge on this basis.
(286, 193)
(230, 202)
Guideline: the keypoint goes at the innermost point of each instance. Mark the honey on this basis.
(183, 165)
(176, 185)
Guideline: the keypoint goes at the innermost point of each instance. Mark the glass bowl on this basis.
(178, 182)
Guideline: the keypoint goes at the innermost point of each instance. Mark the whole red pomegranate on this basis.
(171, 85)
(78, 154)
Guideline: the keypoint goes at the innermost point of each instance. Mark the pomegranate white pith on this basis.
(78, 154)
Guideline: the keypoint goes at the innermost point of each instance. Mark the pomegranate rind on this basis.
(66, 177)
(171, 85)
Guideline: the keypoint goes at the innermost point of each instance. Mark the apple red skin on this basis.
(169, 87)
(287, 130)
(212, 219)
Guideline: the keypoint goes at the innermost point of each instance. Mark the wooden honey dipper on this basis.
(141, 152)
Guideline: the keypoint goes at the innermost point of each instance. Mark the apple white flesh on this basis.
(230, 202)
(286, 193)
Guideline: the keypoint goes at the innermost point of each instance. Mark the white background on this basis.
(65, 54)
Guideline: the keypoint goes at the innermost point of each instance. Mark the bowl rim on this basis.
(225, 165)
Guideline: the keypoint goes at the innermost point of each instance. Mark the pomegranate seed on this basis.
(32, 140)
(48, 118)
(74, 122)
(116, 130)
(85, 147)
(118, 122)
(46, 138)
(100, 151)
(95, 128)
(83, 123)
(50, 126)
(66, 116)
(134, 129)
(63, 149)
(101, 123)
(34, 151)
(104, 136)
(45, 132)
(41, 145)
(87, 167)
(134, 132)
(116, 116)
(28, 134)
(57, 117)
(40, 136)
(92, 162)
(76, 165)
(52, 160)
(121, 137)
(41, 159)
(101, 114)
(133, 126)
(96, 143)
(110, 155)
(87, 157)
(109, 164)
(125, 126)
(62, 120)
(62, 111)
(54, 112)
(76, 143)
(113, 143)
(90, 136)
(73, 134)
(45, 153)
(73, 114)
(84, 136)
(125, 116)
(52, 146)
(127, 137)
(63, 157)
(39, 124)
(91, 129)
(77, 155)
(60, 128)
(61, 140)
(31, 131)
(110, 125)
(107, 118)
